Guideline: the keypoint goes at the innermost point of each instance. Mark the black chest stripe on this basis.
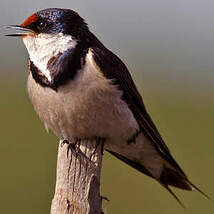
(38, 76)
(63, 67)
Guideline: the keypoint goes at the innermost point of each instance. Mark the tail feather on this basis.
(174, 178)
(174, 195)
(131, 163)
(168, 177)
(199, 190)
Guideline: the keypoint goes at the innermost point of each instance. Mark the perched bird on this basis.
(80, 89)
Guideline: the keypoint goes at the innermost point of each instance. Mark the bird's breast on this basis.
(87, 106)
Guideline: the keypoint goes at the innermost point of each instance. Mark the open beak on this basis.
(25, 31)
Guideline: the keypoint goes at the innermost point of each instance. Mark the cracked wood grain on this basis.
(77, 188)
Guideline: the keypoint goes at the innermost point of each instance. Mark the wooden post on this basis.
(77, 188)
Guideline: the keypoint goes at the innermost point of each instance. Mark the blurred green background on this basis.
(168, 46)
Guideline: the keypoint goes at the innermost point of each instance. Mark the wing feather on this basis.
(113, 68)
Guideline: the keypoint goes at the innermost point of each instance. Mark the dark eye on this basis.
(41, 26)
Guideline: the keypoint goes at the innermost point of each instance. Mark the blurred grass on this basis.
(28, 154)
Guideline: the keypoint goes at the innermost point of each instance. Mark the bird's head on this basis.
(52, 21)
(51, 32)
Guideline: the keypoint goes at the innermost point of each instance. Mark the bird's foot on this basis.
(63, 142)
(74, 146)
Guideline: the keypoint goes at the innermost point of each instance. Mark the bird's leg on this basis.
(75, 146)
(71, 145)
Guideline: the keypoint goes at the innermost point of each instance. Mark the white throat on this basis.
(43, 47)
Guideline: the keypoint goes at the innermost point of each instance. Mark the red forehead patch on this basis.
(29, 20)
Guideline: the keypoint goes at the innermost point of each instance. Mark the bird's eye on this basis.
(41, 26)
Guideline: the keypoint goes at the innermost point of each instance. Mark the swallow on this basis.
(80, 89)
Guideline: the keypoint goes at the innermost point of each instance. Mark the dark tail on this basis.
(169, 177)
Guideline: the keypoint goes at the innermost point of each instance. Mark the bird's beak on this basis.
(25, 31)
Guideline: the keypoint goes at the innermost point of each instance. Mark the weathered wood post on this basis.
(77, 188)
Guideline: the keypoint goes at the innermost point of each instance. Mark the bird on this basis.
(81, 89)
